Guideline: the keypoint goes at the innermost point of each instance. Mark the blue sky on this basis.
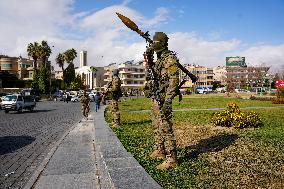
(252, 21)
(201, 31)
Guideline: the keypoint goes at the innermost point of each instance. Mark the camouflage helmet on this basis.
(115, 72)
(160, 41)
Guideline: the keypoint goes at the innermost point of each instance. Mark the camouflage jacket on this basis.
(85, 100)
(114, 88)
(167, 74)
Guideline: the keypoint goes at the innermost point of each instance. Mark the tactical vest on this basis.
(161, 72)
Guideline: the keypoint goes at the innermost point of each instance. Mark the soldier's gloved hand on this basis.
(149, 51)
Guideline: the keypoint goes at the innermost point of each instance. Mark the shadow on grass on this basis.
(137, 122)
(10, 144)
(212, 144)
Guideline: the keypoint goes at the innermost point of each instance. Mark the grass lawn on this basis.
(196, 101)
(210, 157)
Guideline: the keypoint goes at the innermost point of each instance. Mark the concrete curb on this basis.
(117, 167)
(44, 163)
(89, 155)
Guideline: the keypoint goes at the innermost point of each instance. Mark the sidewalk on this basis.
(90, 156)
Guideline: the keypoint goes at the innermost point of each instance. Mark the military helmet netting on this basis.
(160, 36)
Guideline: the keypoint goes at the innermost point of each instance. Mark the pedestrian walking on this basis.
(97, 100)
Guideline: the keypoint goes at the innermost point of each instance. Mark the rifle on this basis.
(130, 24)
(151, 75)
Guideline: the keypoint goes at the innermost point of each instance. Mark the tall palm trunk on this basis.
(63, 76)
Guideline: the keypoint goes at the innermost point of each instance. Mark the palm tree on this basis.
(70, 55)
(60, 61)
(44, 52)
(33, 51)
(93, 70)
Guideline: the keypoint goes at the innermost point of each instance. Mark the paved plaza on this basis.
(55, 148)
(26, 138)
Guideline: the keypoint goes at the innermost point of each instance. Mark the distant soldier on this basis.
(114, 92)
(85, 102)
(166, 72)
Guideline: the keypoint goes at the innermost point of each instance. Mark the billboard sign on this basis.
(236, 61)
(279, 83)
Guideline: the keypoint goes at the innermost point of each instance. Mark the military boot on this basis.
(115, 125)
(170, 162)
(159, 153)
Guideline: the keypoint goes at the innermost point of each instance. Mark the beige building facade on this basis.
(204, 74)
(220, 74)
(21, 67)
(132, 74)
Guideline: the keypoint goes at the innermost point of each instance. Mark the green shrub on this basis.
(279, 97)
(280, 92)
(233, 117)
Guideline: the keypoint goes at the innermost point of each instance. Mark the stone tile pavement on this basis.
(90, 156)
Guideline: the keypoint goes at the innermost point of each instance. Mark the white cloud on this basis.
(265, 54)
(27, 21)
(106, 38)
(193, 49)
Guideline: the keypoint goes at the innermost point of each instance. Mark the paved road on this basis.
(26, 138)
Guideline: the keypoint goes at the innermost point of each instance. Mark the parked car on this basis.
(75, 99)
(31, 92)
(2, 96)
(17, 102)
(92, 97)
(203, 90)
(0, 104)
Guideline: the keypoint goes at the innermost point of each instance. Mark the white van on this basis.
(17, 102)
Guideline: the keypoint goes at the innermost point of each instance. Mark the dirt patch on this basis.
(233, 161)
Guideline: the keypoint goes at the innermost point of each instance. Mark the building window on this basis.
(6, 66)
(128, 82)
(135, 82)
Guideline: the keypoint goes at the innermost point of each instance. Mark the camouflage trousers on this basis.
(115, 114)
(162, 127)
(85, 110)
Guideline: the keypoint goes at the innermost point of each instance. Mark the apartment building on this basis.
(21, 67)
(244, 77)
(132, 74)
(220, 74)
(240, 76)
(204, 74)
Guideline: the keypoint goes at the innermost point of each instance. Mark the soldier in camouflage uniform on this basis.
(166, 71)
(85, 102)
(114, 92)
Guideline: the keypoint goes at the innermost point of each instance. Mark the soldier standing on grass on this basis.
(85, 102)
(166, 71)
(114, 92)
